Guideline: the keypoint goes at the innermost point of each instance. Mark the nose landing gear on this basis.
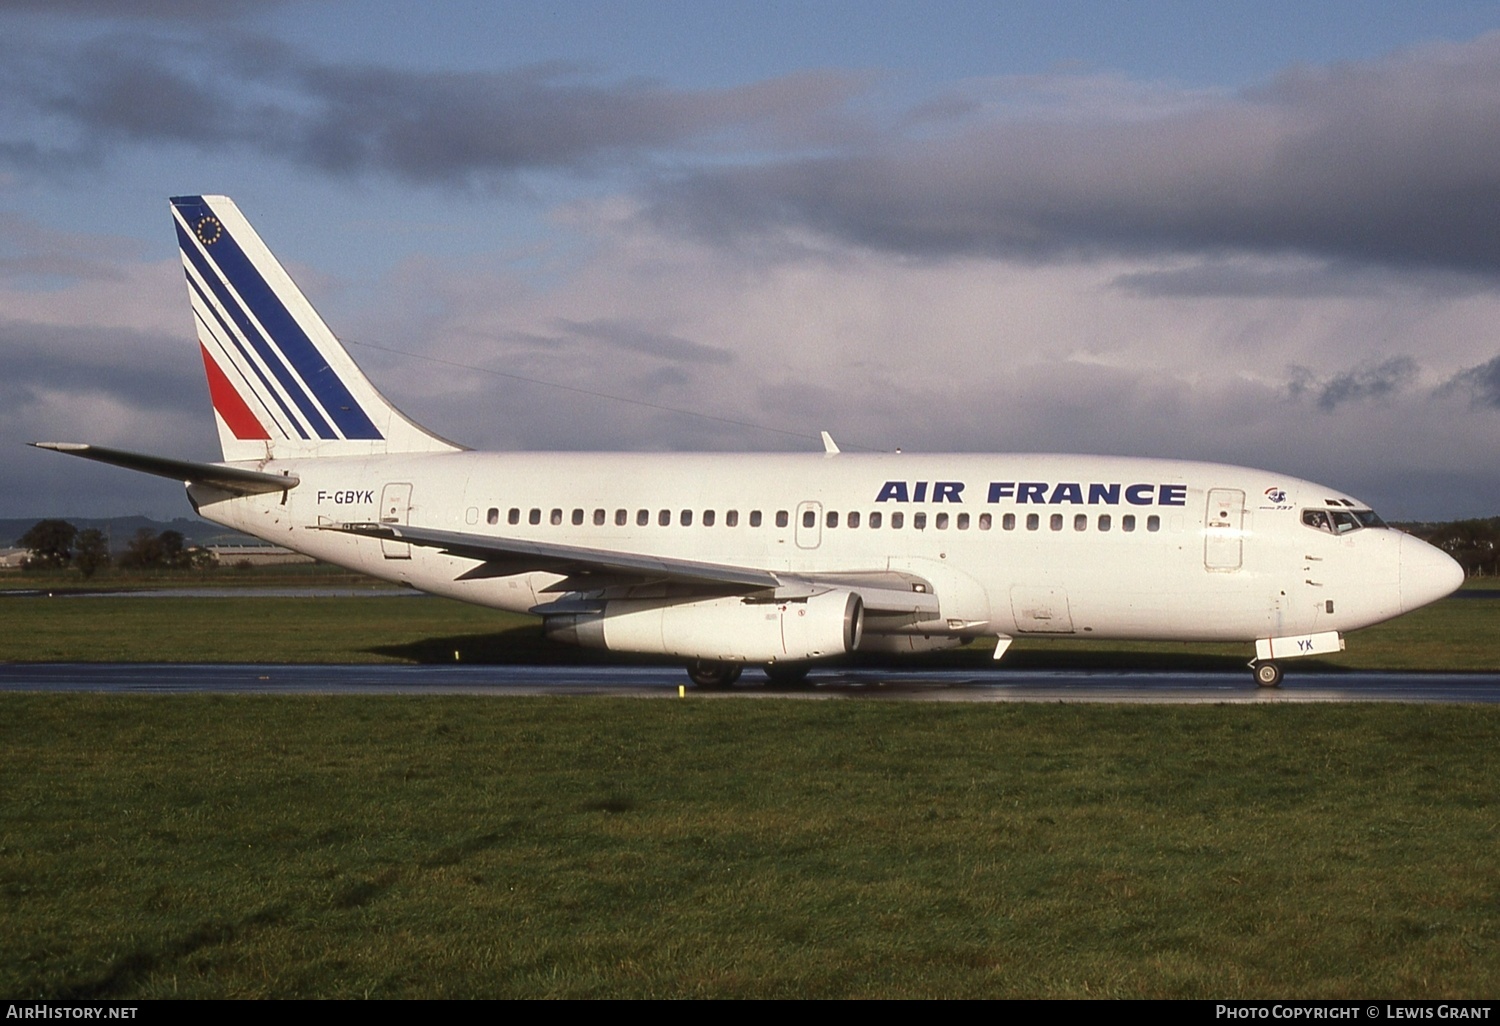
(1267, 675)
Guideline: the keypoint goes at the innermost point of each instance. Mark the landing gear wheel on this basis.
(1268, 675)
(713, 676)
(787, 675)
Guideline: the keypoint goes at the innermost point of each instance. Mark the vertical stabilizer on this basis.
(282, 385)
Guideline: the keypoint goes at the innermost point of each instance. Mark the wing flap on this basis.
(589, 569)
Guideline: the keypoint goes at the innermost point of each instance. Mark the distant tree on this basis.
(91, 553)
(166, 551)
(173, 550)
(50, 543)
(144, 551)
(1474, 543)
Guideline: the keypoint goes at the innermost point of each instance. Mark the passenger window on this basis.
(832, 519)
(578, 518)
(642, 517)
(622, 517)
(1057, 521)
(875, 519)
(1127, 522)
(897, 519)
(781, 518)
(985, 521)
(513, 517)
(809, 519)
(556, 517)
(1033, 521)
(1080, 521)
(1104, 521)
(963, 521)
(685, 518)
(1008, 522)
(535, 516)
(919, 521)
(1153, 523)
(941, 522)
(708, 518)
(664, 518)
(492, 517)
(599, 518)
(755, 518)
(732, 518)
(853, 519)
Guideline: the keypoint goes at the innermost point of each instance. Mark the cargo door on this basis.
(1040, 610)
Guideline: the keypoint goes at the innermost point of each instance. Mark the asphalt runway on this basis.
(658, 682)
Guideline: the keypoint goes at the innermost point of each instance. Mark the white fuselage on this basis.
(1013, 545)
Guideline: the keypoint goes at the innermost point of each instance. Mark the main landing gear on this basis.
(1267, 675)
(713, 676)
(787, 675)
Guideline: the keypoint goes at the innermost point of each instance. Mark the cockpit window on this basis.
(1340, 521)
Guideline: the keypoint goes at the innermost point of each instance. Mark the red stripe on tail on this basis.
(228, 402)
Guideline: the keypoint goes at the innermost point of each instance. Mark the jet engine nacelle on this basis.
(726, 629)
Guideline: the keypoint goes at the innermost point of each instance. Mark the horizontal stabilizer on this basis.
(230, 479)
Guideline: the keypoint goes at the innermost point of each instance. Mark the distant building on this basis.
(10, 559)
(261, 554)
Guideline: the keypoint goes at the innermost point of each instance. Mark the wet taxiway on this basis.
(663, 682)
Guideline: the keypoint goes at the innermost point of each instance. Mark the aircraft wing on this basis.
(236, 480)
(593, 568)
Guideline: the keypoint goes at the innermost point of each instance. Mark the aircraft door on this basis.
(809, 525)
(395, 507)
(1224, 530)
(1039, 609)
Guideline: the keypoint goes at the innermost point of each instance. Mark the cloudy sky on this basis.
(1260, 233)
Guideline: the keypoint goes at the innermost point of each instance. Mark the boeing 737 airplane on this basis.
(773, 559)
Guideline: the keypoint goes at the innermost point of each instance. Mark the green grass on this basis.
(1456, 634)
(248, 847)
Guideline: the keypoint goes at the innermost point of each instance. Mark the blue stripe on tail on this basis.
(286, 336)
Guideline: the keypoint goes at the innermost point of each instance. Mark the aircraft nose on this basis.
(1427, 573)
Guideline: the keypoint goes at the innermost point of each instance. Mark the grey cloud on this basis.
(1481, 382)
(167, 10)
(46, 358)
(426, 127)
(1214, 279)
(663, 347)
(1374, 381)
(30, 250)
(1394, 161)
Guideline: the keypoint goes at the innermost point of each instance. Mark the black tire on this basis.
(1268, 675)
(713, 676)
(787, 675)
